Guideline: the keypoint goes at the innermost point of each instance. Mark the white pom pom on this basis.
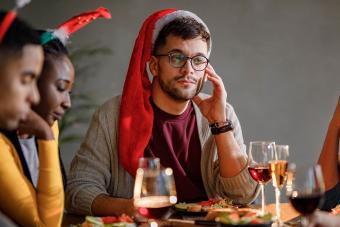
(21, 3)
(61, 34)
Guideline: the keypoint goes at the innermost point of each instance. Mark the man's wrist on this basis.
(221, 127)
(217, 119)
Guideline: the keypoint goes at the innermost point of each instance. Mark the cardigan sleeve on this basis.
(18, 199)
(241, 188)
(90, 171)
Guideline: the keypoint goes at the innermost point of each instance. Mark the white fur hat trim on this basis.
(172, 16)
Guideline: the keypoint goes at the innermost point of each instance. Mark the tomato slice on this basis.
(206, 203)
(125, 218)
(109, 219)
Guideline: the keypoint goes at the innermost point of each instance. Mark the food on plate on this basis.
(194, 207)
(204, 206)
(336, 210)
(110, 221)
(242, 216)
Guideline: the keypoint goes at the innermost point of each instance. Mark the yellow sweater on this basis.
(18, 198)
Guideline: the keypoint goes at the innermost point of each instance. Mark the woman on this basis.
(329, 161)
(55, 85)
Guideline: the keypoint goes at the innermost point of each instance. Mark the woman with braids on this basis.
(38, 187)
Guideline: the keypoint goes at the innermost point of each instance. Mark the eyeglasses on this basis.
(178, 60)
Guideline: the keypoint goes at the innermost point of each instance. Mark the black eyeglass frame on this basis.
(169, 58)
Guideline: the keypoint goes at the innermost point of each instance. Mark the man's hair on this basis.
(17, 36)
(184, 27)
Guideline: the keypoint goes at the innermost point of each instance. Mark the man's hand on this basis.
(104, 205)
(213, 108)
(37, 126)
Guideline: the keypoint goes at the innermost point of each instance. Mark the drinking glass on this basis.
(278, 169)
(149, 163)
(154, 190)
(307, 191)
(260, 153)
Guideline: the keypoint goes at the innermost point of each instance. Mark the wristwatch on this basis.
(221, 127)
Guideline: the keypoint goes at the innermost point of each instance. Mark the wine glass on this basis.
(278, 169)
(149, 163)
(260, 153)
(307, 191)
(154, 191)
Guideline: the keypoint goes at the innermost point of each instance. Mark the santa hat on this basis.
(72, 25)
(136, 114)
(10, 16)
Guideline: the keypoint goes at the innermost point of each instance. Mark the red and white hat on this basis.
(73, 24)
(10, 16)
(136, 114)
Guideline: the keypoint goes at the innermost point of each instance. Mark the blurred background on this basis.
(279, 60)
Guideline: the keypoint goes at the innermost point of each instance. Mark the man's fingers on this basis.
(197, 100)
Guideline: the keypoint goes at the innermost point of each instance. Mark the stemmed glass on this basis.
(278, 169)
(154, 190)
(260, 153)
(307, 190)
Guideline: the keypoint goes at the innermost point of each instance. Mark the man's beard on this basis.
(179, 94)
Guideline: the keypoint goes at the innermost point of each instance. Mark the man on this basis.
(199, 137)
(21, 60)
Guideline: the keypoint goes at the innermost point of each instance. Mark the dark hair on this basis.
(53, 50)
(53, 47)
(17, 36)
(184, 27)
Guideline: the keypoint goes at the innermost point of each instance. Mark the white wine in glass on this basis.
(278, 169)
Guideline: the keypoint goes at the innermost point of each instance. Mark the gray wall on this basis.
(280, 60)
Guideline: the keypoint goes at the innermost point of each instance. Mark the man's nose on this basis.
(34, 96)
(187, 68)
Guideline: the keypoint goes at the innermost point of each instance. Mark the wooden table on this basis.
(287, 213)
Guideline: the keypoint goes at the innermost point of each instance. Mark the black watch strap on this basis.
(221, 127)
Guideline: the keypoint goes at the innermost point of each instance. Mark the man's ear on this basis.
(153, 66)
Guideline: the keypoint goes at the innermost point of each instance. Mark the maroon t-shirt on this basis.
(176, 142)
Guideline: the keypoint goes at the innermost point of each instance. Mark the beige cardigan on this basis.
(96, 170)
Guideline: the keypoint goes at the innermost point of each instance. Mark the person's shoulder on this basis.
(113, 102)
(110, 107)
(3, 138)
(6, 146)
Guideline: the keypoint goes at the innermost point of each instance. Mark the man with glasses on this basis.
(197, 135)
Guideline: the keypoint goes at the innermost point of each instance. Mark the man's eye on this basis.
(199, 60)
(177, 58)
(26, 79)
